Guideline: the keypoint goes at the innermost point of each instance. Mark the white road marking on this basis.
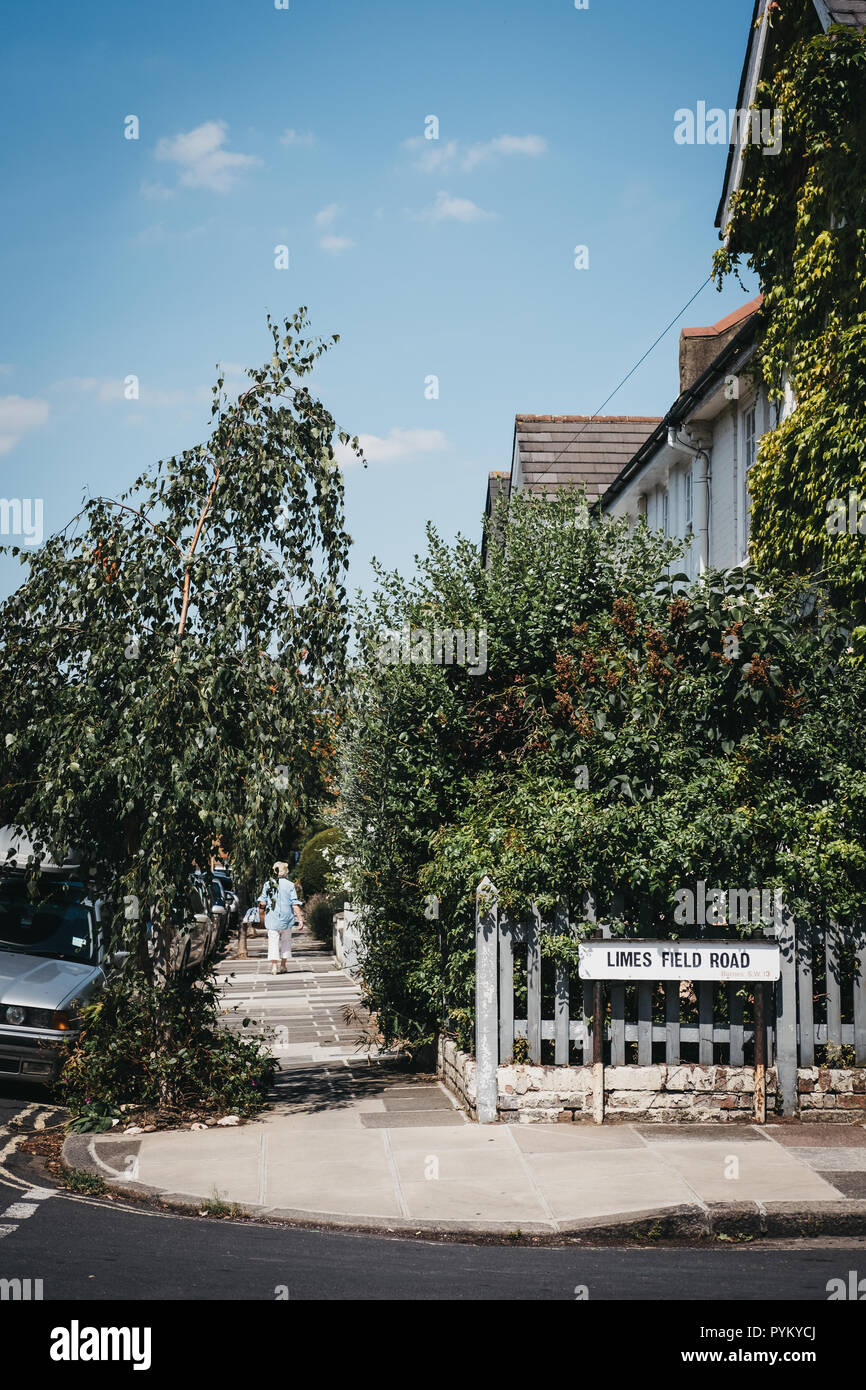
(19, 1211)
(7, 1231)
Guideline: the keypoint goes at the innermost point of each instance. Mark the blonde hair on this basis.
(281, 869)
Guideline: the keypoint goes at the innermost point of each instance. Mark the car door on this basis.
(199, 925)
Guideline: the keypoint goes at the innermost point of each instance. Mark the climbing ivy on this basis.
(799, 220)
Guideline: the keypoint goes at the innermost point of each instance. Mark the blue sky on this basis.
(305, 127)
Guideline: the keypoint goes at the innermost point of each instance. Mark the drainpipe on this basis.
(700, 492)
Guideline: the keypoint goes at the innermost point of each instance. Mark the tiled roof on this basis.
(497, 483)
(851, 12)
(737, 337)
(574, 450)
(731, 321)
(699, 347)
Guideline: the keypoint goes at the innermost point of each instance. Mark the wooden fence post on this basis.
(786, 1013)
(533, 986)
(563, 982)
(486, 1002)
(506, 990)
(860, 997)
(598, 1052)
(760, 1056)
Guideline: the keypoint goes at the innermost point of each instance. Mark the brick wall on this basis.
(834, 1094)
(685, 1093)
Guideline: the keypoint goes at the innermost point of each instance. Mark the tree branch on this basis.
(198, 530)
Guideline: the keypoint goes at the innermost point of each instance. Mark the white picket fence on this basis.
(796, 1021)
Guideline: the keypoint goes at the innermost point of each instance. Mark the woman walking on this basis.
(279, 909)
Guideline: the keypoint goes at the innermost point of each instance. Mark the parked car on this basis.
(196, 928)
(222, 875)
(214, 895)
(54, 958)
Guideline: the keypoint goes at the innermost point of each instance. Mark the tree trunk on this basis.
(243, 906)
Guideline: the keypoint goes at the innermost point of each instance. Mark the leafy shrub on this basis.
(147, 1045)
(320, 918)
(632, 733)
(314, 866)
(96, 1117)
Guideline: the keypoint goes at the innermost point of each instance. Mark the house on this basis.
(553, 451)
(689, 479)
(759, 56)
(688, 472)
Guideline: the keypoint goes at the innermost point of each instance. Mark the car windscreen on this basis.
(47, 919)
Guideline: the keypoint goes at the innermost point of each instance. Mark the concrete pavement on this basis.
(91, 1252)
(359, 1142)
(399, 1156)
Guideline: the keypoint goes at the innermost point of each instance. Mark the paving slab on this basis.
(206, 1164)
(456, 1165)
(851, 1184)
(428, 1098)
(414, 1119)
(574, 1138)
(579, 1198)
(692, 1133)
(841, 1159)
(512, 1202)
(800, 1136)
(763, 1174)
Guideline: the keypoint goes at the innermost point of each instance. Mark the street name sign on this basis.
(679, 960)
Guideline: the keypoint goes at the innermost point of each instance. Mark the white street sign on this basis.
(679, 960)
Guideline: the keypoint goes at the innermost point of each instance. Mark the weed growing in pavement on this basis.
(90, 1184)
(215, 1206)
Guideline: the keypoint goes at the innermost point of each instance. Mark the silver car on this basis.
(197, 925)
(52, 961)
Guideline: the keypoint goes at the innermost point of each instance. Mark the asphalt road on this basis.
(90, 1250)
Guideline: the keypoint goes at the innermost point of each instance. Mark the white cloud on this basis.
(433, 155)
(295, 137)
(202, 161)
(18, 414)
(533, 145)
(326, 217)
(154, 235)
(447, 208)
(113, 389)
(103, 388)
(331, 243)
(156, 192)
(450, 155)
(335, 244)
(399, 444)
